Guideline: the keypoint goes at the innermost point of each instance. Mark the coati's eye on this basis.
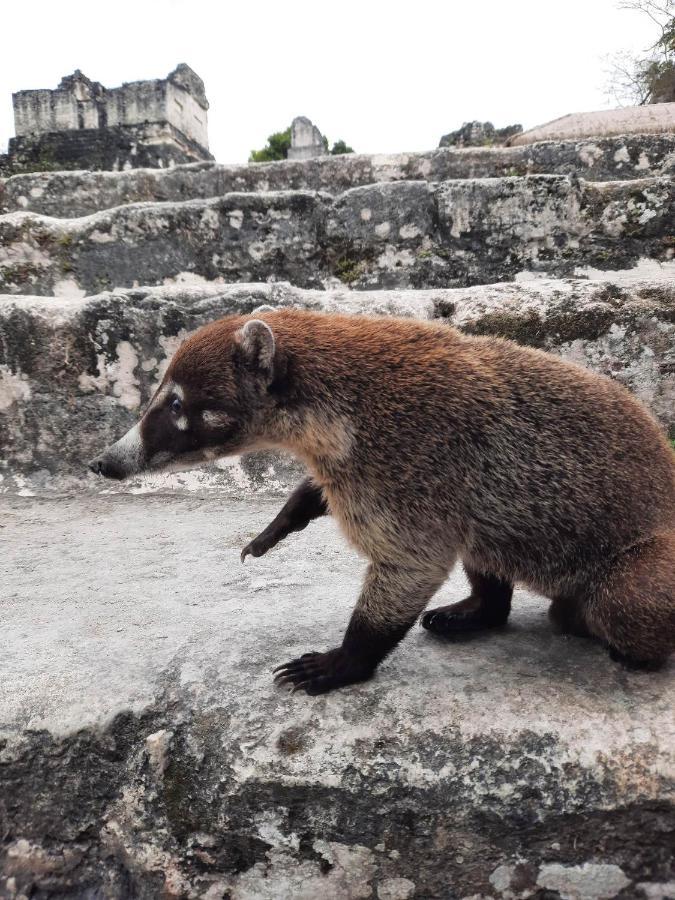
(176, 406)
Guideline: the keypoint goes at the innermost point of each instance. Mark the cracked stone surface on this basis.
(68, 194)
(145, 752)
(399, 234)
(74, 374)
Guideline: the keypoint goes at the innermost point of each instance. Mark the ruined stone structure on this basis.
(82, 124)
(306, 140)
(480, 134)
(656, 118)
(143, 750)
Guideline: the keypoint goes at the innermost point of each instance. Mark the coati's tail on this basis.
(632, 607)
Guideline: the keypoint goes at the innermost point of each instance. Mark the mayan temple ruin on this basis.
(83, 125)
(143, 750)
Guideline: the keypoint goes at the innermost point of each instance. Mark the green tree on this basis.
(276, 148)
(650, 78)
(340, 147)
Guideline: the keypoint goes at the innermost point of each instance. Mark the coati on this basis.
(429, 446)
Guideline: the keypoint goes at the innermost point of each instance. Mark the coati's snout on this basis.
(123, 458)
(210, 403)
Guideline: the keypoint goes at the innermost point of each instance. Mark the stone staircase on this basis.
(388, 234)
(129, 262)
(143, 750)
(71, 194)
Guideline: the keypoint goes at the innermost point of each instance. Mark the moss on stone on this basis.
(349, 270)
(588, 324)
(349, 262)
(527, 328)
(530, 329)
(65, 240)
(19, 273)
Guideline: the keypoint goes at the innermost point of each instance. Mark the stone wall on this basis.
(75, 374)
(108, 149)
(77, 194)
(391, 235)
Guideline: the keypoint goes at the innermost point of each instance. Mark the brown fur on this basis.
(428, 447)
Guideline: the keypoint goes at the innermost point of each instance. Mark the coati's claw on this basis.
(439, 621)
(253, 549)
(260, 545)
(249, 550)
(318, 673)
(461, 619)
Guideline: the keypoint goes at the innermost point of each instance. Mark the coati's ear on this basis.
(256, 342)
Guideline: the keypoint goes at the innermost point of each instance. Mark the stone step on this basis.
(410, 234)
(69, 194)
(145, 753)
(74, 374)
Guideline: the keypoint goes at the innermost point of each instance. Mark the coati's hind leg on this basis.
(305, 503)
(631, 608)
(391, 599)
(568, 616)
(488, 606)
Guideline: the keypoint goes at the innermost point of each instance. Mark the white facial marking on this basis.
(177, 390)
(215, 419)
(182, 423)
(128, 451)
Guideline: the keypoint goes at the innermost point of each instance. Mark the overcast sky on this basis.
(384, 76)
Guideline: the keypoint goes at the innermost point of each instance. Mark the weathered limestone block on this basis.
(489, 230)
(403, 234)
(74, 374)
(145, 753)
(376, 234)
(67, 194)
(511, 223)
(74, 194)
(307, 141)
(553, 225)
(239, 237)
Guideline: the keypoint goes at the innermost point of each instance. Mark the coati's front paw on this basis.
(260, 545)
(318, 673)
